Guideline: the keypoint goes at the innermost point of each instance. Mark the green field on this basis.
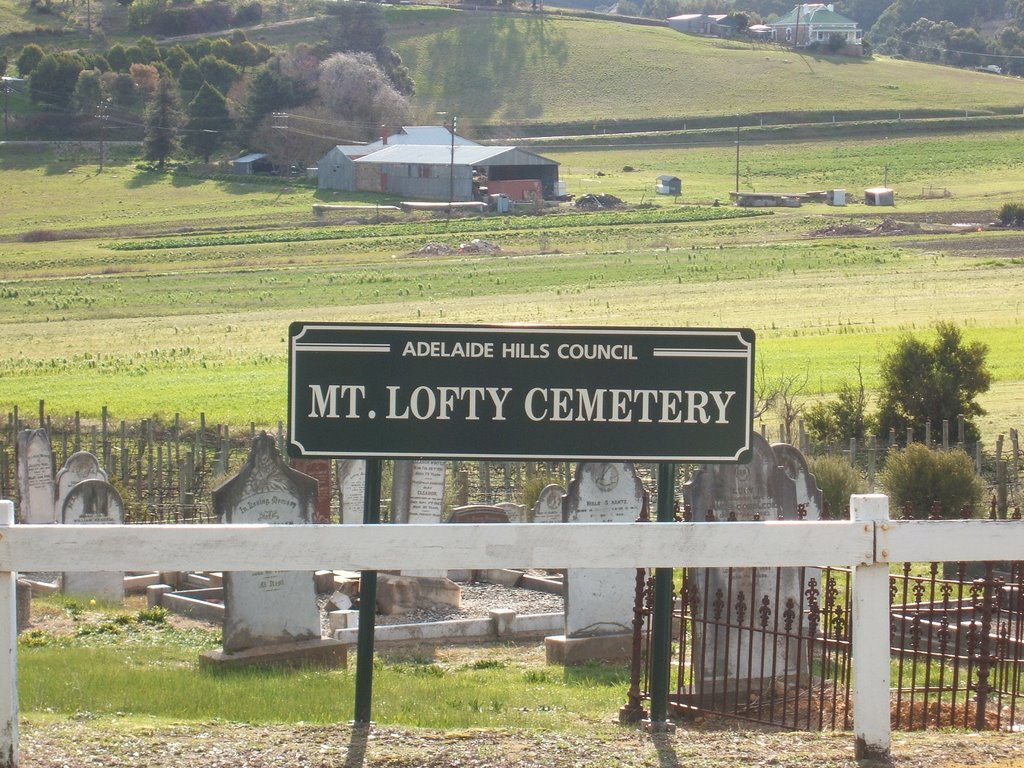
(490, 67)
(156, 294)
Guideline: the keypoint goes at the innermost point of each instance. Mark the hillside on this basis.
(490, 67)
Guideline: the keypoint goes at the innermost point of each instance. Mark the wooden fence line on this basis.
(868, 542)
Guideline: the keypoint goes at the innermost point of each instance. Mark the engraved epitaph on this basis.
(264, 608)
(548, 507)
(600, 601)
(760, 490)
(351, 474)
(35, 478)
(79, 466)
(93, 502)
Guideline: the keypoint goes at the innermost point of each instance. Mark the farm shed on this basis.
(436, 172)
(669, 185)
(335, 169)
(712, 25)
(879, 196)
(249, 164)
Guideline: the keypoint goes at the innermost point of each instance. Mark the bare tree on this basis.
(783, 395)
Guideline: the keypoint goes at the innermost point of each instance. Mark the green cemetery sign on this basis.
(520, 392)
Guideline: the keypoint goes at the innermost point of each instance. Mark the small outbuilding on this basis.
(669, 185)
(257, 162)
(879, 196)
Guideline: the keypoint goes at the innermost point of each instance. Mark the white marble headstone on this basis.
(351, 474)
(426, 502)
(35, 478)
(79, 466)
(599, 601)
(548, 507)
(93, 502)
(516, 512)
(264, 608)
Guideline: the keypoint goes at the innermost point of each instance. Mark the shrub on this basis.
(1012, 215)
(920, 477)
(838, 481)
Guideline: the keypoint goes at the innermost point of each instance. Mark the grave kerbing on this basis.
(270, 616)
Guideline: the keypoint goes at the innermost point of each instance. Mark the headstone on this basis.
(479, 513)
(351, 474)
(35, 478)
(599, 602)
(516, 513)
(425, 503)
(728, 614)
(548, 507)
(267, 608)
(794, 464)
(426, 498)
(93, 502)
(79, 466)
(319, 470)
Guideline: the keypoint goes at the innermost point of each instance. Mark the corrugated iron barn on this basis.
(458, 169)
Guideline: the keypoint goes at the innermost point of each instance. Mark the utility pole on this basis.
(103, 128)
(451, 168)
(737, 156)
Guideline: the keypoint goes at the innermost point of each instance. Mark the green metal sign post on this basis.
(407, 391)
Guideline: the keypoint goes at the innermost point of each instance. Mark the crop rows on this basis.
(460, 226)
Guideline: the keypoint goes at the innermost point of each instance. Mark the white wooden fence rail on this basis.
(867, 542)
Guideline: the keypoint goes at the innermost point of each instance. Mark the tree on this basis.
(163, 121)
(29, 59)
(54, 79)
(353, 88)
(117, 57)
(834, 421)
(208, 122)
(271, 90)
(357, 27)
(88, 92)
(928, 384)
(219, 73)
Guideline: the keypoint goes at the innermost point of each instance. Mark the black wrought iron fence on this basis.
(773, 646)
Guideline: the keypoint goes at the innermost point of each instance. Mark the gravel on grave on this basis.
(478, 599)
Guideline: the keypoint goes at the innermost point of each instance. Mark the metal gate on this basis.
(773, 646)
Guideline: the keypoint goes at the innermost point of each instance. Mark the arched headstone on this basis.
(93, 502)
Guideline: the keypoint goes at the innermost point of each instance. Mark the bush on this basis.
(920, 477)
(838, 481)
(1012, 215)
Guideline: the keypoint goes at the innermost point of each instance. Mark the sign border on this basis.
(740, 334)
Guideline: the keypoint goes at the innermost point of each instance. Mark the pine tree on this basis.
(208, 122)
(163, 121)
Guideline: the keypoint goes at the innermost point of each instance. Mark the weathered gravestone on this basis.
(351, 474)
(79, 466)
(35, 478)
(417, 497)
(808, 494)
(270, 616)
(742, 616)
(516, 513)
(599, 601)
(548, 507)
(93, 502)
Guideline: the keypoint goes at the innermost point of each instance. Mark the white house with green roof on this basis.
(811, 23)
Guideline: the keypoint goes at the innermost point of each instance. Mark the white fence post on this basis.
(9, 755)
(870, 639)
